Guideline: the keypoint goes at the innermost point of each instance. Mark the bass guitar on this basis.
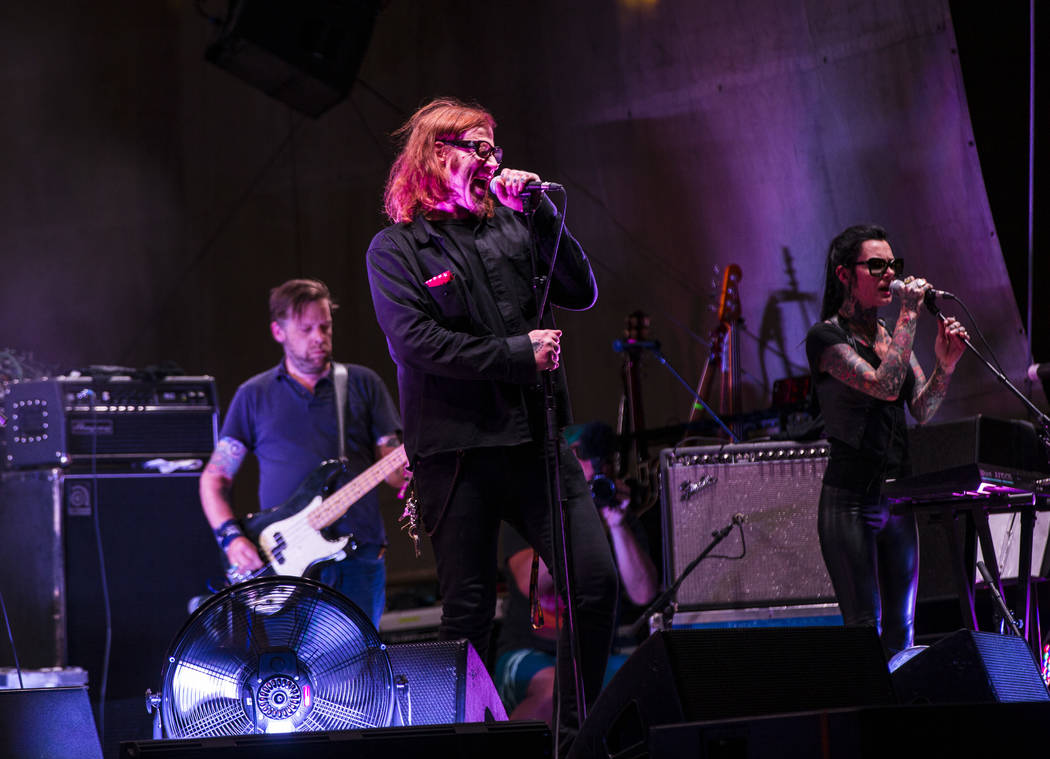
(291, 538)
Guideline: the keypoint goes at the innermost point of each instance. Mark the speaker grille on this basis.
(776, 487)
(433, 674)
(1012, 671)
(447, 681)
(971, 667)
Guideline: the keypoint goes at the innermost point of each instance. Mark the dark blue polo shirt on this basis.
(292, 431)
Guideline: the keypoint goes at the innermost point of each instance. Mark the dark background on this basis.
(149, 200)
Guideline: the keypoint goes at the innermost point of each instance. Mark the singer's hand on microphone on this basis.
(508, 184)
(546, 347)
(949, 346)
(911, 292)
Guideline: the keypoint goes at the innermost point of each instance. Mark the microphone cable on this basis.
(103, 580)
(980, 334)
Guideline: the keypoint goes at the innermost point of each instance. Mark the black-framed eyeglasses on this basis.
(878, 266)
(482, 148)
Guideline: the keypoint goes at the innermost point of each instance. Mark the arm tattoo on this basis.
(227, 458)
(846, 365)
(928, 399)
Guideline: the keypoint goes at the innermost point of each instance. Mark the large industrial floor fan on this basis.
(275, 655)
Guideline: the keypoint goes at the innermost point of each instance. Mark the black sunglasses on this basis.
(877, 266)
(482, 148)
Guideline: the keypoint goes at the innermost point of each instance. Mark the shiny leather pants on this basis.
(872, 558)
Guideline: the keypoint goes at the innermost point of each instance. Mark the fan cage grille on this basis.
(288, 638)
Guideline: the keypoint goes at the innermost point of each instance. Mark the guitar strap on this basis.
(339, 380)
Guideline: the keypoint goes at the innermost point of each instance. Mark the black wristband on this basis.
(227, 532)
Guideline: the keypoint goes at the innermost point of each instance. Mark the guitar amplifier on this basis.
(775, 488)
(122, 421)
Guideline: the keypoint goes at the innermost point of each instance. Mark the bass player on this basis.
(286, 417)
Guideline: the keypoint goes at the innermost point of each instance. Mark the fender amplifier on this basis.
(772, 489)
(122, 421)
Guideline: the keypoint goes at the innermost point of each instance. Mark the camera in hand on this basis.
(603, 491)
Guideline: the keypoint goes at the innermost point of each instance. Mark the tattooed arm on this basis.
(846, 365)
(215, 485)
(948, 349)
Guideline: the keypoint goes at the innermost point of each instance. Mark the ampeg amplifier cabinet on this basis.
(122, 421)
(775, 488)
(158, 554)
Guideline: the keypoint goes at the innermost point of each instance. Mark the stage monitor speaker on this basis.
(447, 682)
(702, 675)
(47, 722)
(775, 487)
(971, 667)
(506, 740)
(305, 53)
(873, 732)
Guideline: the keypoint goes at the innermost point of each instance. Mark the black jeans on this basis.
(872, 556)
(463, 497)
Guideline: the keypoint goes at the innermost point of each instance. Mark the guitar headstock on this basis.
(729, 297)
(728, 310)
(636, 326)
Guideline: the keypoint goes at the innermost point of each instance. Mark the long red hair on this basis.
(418, 181)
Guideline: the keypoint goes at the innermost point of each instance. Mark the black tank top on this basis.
(868, 436)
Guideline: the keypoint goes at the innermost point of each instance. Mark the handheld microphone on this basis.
(531, 188)
(929, 299)
(1039, 372)
(543, 188)
(621, 345)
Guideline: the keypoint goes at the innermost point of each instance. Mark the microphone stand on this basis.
(1044, 434)
(1043, 418)
(1004, 612)
(654, 346)
(561, 549)
(660, 612)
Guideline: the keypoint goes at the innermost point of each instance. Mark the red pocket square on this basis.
(440, 279)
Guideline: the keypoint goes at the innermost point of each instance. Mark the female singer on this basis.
(864, 374)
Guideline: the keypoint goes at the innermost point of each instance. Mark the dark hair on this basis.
(844, 251)
(294, 295)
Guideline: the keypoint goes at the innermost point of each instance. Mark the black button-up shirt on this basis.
(455, 300)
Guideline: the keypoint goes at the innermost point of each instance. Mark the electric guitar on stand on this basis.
(724, 357)
(630, 421)
(291, 538)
